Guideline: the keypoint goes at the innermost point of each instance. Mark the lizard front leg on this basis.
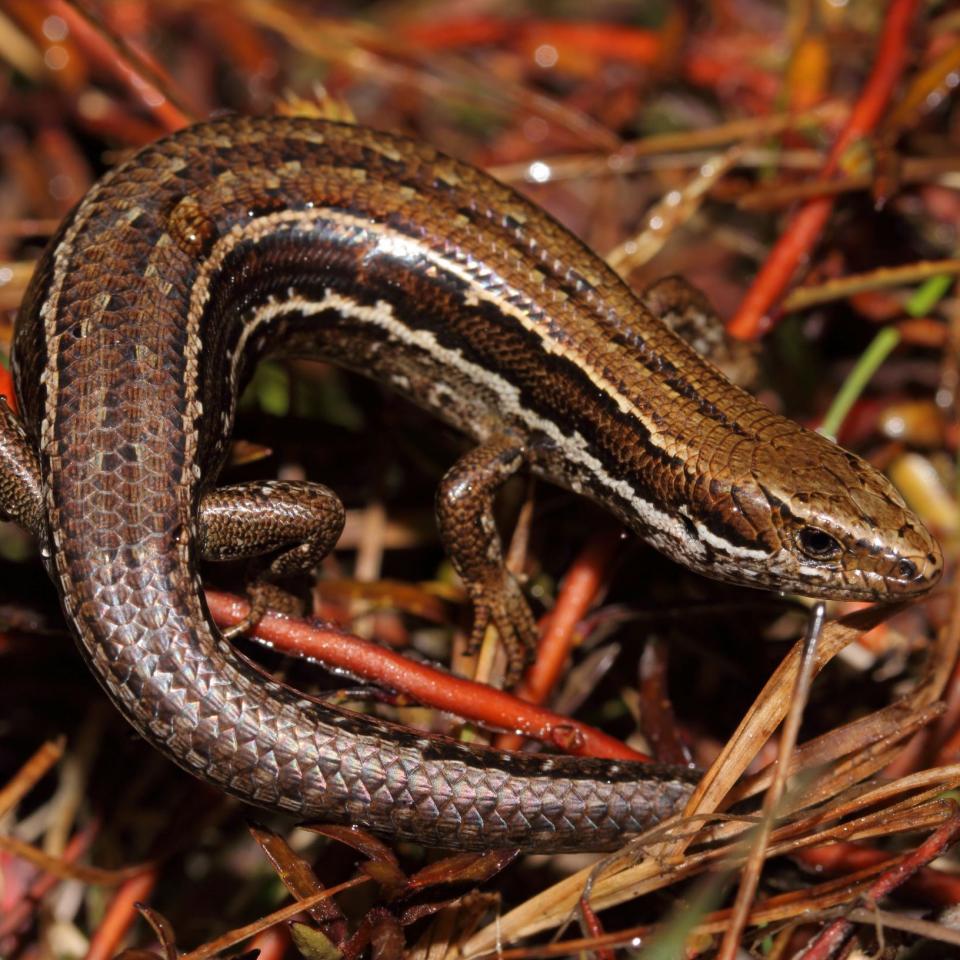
(465, 517)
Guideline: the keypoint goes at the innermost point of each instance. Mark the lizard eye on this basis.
(817, 544)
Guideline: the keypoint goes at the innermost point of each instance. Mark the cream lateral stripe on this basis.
(399, 245)
(574, 447)
(49, 311)
(190, 475)
(49, 314)
(710, 538)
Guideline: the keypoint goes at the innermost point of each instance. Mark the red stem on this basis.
(830, 940)
(473, 701)
(578, 592)
(145, 92)
(800, 235)
(929, 886)
(120, 915)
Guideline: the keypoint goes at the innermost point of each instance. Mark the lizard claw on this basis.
(504, 605)
(262, 596)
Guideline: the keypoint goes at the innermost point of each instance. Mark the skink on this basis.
(241, 237)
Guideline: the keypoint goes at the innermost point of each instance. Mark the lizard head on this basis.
(801, 513)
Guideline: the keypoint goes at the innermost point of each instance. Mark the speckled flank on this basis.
(244, 236)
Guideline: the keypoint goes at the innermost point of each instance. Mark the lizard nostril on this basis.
(906, 569)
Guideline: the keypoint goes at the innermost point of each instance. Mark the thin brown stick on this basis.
(750, 876)
(25, 779)
(239, 934)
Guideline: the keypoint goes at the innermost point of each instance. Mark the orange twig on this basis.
(805, 227)
(6, 388)
(613, 41)
(929, 885)
(148, 90)
(578, 592)
(584, 580)
(474, 701)
(18, 914)
(64, 868)
(120, 915)
(830, 940)
(29, 774)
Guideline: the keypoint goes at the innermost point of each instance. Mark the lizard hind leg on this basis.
(690, 315)
(288, 527)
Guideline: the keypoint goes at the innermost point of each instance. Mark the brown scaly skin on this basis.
(242, 236)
